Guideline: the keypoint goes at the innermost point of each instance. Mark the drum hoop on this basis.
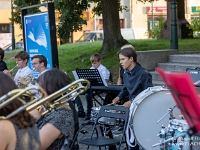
(151, 90)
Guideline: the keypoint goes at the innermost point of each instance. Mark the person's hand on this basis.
(22, 80)
(37, 113)
(115, 101)
(7, 72)
(127, 104)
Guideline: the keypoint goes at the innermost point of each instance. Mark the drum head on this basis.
(146, 115)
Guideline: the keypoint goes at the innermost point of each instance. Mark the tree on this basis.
(70, 14)
(18, 4)
(111, 25)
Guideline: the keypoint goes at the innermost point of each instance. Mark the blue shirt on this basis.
(135, 81)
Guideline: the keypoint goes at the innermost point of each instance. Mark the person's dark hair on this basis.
(42, 59)
(128, 52)
(53, 80)
(23, 119)
(23, 55)
(1, 54)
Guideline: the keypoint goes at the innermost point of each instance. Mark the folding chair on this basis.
(111, 112)
(186, 97)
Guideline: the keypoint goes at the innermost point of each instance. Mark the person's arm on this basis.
(60, 123)
(4, 137)
(119, 80)
(7, 72)
(48, 134)
(123, 93)
(7, 138)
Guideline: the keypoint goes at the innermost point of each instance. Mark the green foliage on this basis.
(195, 26)
(155, 32)
(72, 56)
(70, 16)
(97, 9)
(18, 4)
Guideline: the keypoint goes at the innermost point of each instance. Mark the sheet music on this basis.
(91, 75)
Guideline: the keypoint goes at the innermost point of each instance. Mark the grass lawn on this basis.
(73, 56)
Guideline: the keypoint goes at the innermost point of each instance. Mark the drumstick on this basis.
(113, 104)
(110, 104)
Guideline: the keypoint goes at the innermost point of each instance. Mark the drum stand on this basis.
(168, 138)
(170, 110)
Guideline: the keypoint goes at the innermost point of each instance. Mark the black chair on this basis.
(117, 112)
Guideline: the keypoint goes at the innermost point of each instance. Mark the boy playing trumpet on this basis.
(24, 75)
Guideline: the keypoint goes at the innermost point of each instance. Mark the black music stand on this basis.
(93, 75)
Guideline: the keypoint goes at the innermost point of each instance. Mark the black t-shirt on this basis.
(3, 65)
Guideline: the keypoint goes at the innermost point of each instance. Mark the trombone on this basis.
(18, 94)
(62, 96)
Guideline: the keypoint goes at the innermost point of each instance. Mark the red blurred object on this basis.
(185, 95)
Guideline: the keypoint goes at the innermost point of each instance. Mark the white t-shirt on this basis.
(104, 71)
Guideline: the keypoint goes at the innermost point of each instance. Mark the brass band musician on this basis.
(24, 75)
(18, 132)
(56, 127)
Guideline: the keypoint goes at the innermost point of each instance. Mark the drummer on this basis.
(135, 78)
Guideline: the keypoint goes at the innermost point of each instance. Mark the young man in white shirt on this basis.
(24, 75)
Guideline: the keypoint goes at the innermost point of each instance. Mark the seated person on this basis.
(24, 71)
(3, 65)
(120, 78)
(95, 60)
(58, 127)
(18, 132)
(136, 79)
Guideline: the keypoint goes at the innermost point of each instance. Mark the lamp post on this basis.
(152, 15)
(174, 26)
(12, 24)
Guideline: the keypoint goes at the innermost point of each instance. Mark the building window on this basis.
(4, 28)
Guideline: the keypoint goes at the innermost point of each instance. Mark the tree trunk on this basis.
(111, 26)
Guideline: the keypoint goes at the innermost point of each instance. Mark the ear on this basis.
(42, 63)
(131, 58)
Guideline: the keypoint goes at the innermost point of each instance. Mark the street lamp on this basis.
(174, 26)
(12, 24)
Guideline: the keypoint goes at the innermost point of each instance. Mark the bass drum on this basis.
(148, 107)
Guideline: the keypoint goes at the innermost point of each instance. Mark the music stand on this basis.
(186, 97)
(93, 75)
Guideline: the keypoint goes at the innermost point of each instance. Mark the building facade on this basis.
(139, 16)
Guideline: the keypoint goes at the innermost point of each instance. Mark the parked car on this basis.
(91, 36)
(18, 45)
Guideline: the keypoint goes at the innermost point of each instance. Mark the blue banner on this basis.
(37, 35)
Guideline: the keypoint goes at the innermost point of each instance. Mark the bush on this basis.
(155, 32)
(195, 26)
